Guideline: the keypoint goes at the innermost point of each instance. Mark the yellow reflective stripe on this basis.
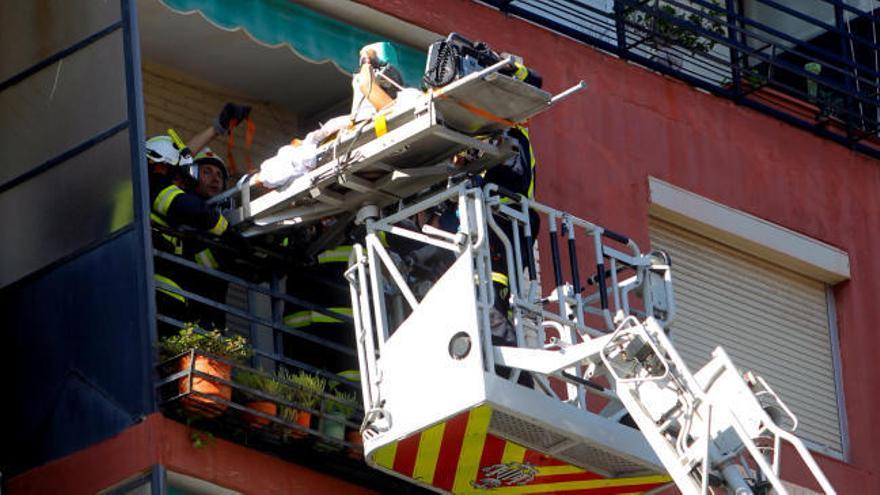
(178, 245)
(322, 318)
(339, 254)
(471, 449)
(220, 227)
(500, 278)
(566, 486)
(383, 238)
(525, 131)
(307, 317)
(206, 258)
(298, 319)
(353, 375)
(556, 470)
(157, 219)
(513, 453)
(167, 281)
(428, 453)
(163, 200)
(521, 71)
(384, 456)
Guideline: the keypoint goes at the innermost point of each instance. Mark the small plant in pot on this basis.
(188, 339)
(337, 410)
(267, 384)
(667, 24)
(306, 391)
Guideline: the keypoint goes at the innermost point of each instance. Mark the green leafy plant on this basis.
(270, 384)
(667, 24)
(345, 404)
(234, 348)
(307, 389)
(198, 438)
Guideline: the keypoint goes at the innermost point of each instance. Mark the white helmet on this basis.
(161, 149)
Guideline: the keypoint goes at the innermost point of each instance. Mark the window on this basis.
(757, 303)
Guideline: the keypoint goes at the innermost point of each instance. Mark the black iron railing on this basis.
(224, 403)
(811, 63)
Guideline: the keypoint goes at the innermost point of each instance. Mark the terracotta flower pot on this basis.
(205, 406)
(302, 418)
(265, 407)
(354, 436)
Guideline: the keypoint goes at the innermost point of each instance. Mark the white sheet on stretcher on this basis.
(293, 161)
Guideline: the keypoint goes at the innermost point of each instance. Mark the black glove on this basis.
(230, 111)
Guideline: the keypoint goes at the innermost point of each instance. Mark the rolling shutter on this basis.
(769, 319)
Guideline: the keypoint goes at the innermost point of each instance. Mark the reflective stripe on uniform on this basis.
(167, 281)
(220, 227)
(163, 200)
(500, 278)
(174, 241)
(339, 254)
(525, 131)
(352, 375)
(530, 193)
(157, 219)
(307, 317)
(206, 258)
(521, 71)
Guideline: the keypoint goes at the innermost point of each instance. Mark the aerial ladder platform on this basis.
(592, 395)
(609, 404)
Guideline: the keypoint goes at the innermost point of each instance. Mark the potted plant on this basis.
(188, 339)
(271, 386)
(336, 411)
(306, 391)
(667, 25)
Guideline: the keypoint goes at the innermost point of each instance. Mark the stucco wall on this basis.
(597, 150)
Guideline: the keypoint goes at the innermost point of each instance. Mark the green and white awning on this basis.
(311, 35)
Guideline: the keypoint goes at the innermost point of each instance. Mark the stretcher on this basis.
(399, 152)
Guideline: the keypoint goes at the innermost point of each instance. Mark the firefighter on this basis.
(323, 284)
(212, 178)
(174, 178)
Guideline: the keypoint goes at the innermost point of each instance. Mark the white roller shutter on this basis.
(769, 319)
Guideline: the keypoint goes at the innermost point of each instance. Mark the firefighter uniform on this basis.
(322, 285)
(517, 175)
(172, 207)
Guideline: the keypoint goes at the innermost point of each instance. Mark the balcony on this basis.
(256, 382)
(812, 63)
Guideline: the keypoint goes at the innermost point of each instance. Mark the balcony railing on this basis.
(811, 63)
(267, 418)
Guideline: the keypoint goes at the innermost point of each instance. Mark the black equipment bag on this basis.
(456, 57)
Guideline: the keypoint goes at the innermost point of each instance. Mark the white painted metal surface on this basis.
(703, 429)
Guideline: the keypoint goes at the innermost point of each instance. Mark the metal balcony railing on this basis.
(224, 404)
(811, 63)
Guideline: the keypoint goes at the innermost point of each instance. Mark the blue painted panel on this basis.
(75, 354)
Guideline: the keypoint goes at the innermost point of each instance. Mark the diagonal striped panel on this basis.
(429, 452)
(460, 456)
(472, 448)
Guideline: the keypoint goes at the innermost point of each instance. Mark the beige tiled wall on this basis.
(189, 105)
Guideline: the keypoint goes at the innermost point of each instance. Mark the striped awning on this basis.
(311, 35)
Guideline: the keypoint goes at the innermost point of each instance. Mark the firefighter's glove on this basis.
(231, 112)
